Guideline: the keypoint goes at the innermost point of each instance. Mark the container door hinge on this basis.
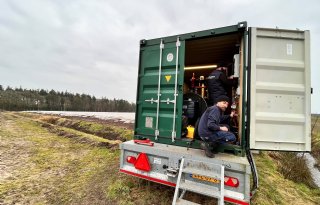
(173, 136)
(156, 134)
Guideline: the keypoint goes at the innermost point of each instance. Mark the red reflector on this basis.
(231, 181)
(142, 162)
(131, 159)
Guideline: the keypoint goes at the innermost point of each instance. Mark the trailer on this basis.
(272, 100)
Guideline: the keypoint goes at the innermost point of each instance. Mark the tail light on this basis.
(231, 181)
(131, 159)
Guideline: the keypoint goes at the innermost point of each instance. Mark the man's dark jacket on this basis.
(217, 83)
(210, 121)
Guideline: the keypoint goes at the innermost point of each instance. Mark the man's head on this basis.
(223, 102)
(222, 68)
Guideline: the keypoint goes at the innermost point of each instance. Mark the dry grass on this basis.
(52, 168)
(97, 128)
(315, 144)
(293, 167)
(275, 189)
(49, 119)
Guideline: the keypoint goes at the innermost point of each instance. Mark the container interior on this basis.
(202, 56)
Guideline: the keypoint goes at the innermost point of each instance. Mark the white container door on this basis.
(279, 90)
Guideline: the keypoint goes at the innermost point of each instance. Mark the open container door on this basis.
(160, 90)
(279, 89)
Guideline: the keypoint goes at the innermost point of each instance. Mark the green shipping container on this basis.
(272, 100)
(163, 74)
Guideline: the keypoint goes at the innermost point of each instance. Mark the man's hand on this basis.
(224, 129)
(233, 113)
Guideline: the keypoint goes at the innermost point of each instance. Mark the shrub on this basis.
(293, 167)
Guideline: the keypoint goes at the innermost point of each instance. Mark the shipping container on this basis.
(272, 100)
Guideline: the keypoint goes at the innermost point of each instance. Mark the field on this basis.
(48, 159)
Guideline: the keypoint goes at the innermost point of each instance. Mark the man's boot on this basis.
(214, 147)
(207, 149)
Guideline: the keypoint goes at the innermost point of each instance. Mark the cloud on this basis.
(93, 46)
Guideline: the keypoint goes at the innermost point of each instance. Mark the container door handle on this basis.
(168, 101)
(152, 101)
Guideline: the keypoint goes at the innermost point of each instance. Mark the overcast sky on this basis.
(92, 46)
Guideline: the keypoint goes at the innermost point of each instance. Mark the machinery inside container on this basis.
(202, 56)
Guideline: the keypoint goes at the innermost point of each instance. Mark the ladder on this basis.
(188, 180)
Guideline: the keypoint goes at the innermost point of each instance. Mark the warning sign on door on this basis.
(168, 77)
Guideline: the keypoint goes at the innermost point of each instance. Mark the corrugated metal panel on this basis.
(146, 117)
(280, 90)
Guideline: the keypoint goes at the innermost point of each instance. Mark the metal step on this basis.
(206, 173)
(200, 188)
(196, 167)
(185, 202)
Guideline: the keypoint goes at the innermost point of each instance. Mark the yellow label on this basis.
(204, 178)
(168, 77)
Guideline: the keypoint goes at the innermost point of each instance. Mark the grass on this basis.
(58, 170)
(274, 188)
(315, 145)
(267, 192)
(56, 160)
(293, 167)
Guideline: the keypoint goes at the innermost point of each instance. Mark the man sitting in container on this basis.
(211, 131)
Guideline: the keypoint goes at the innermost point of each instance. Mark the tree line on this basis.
(18, 99)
